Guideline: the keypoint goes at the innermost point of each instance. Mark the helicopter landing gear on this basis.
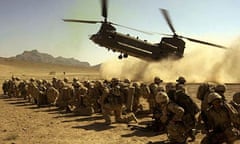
(120, 56)
(125, 55)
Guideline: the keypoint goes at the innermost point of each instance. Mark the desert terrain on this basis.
(24, 123)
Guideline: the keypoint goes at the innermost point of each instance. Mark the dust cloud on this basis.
(200, 65)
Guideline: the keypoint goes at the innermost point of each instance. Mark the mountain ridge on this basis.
(36, 56)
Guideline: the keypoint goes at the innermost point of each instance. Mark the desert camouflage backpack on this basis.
(204, 89)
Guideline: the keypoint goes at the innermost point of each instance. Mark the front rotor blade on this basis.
(104, 9)
(203, 42)
(167, 18)
(81, 21)
(149, 33)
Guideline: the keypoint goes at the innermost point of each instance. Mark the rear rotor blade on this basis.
(104, 9)
(203, 42)
(149, 33)
(167, 18)
(82, 21)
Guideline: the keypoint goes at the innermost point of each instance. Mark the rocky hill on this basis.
(35, 56)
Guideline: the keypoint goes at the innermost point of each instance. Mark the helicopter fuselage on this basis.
(129, 45)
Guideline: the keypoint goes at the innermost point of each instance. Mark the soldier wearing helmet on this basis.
(55, 83)
(154, 88)
(171, 116)
(235, 102)
(221, 118)
(181, 80)
(66, 79)
(221, 89)
(112, 101)
(180, 85)
(5, 87)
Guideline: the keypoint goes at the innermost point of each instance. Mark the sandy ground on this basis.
(23, 123)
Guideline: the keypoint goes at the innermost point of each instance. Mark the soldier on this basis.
(202, 94)
(170, 90)
(111, 100)
(5, 87)
(23, 89)
(55, 82)
(81, 100)
(12, 87)
(181, 80)
(52, 94)
(154, 88)
(75, 80)
(181, 83)
(221, 118)
(235, 102)
(171, 116)
(66, 92)
(221, 89)
(190, 110)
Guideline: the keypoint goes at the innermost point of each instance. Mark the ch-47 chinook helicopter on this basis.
(108, 37)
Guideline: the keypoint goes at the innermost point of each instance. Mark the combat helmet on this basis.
(213, 96)
(65, 79)
(181, 80)
(157, 80)
(236, 97)
(162, 97)
(220, 88)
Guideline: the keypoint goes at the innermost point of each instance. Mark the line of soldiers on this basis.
(173, 110)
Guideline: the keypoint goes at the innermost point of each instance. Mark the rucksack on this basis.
(186, 102)
(204, 89)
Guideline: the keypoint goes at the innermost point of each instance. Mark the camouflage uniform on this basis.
(221, 118)
(81, 103)
(190, 111)
(33, 91)
(221, 89)
(112, 100)
(66, 92)
(236, 101)
(23, 89)
(12, 88)
(52, 94)
(172, 115)
(5, 87)
(154, 89)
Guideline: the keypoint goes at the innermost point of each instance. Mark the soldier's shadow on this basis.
(141, 130)
(95, 126)
(86, 118)
(160, 142)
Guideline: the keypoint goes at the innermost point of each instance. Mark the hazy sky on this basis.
(37, 24)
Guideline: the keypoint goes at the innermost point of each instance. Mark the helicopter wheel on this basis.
(120, 56)
(125, 55)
